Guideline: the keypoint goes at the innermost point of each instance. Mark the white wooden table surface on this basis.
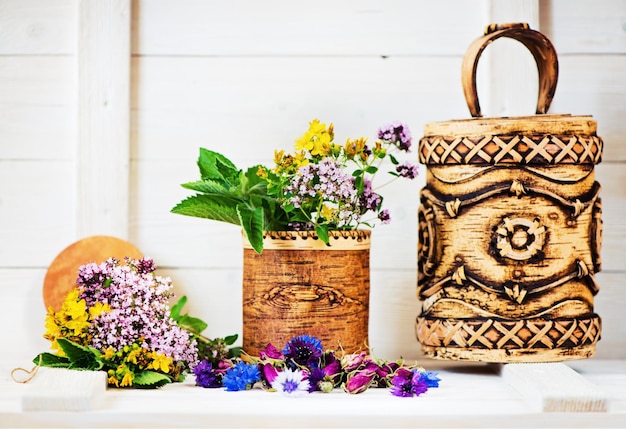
(470, 395)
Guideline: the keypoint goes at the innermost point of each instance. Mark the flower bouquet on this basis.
(118, 320)
(323, 186)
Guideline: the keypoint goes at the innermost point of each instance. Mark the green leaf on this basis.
(371, 169)
(208, 207)
(322, 233)
(193, 324)
(356, 173)
(80, 357)
(252, 183)
(51, 360)
(252, 222)
(216, 166)
(234, 352)
(230, 340)
(359, 184)
(176, 308)
(150, 380)
(207, 187)
(393, 159)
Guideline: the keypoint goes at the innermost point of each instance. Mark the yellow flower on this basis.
(113, 381)
(327, 212)
(161, 362)
(98, 308)
(53, 330)
(305, 142)
(127, 380)
(109, 353)
(317, 139)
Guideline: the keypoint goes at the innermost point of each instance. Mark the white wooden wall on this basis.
(104, 104)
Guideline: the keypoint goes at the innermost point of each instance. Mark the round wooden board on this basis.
(62, 273)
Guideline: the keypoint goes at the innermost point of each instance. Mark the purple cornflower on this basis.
(407, 383)
(407, 170)
(206, 376)
(291, 382)
(241, 377)
(326, 375)
(270, 352)
(304, 350)
(396, 133)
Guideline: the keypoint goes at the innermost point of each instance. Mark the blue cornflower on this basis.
(291, 383)
(304, 350)
(241, 377)
(206, 376)
(407, 383)
(431, 379)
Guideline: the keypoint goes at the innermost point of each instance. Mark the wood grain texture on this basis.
(284, 28)
(37, 27)
(510, 241)
(103, 61)
(296, 288)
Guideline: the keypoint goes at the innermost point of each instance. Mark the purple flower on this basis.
(359, 381)
(407, 383)
(269, 373)
(291, 382)
(352, 361)
(407, 170)
(384, 217)
(206, 376)
(270, 352)
(304, 350)
(241, 377)
(396, 133)
(369, 200)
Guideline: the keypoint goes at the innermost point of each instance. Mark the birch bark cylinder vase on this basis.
(510, 227)
(300, 286)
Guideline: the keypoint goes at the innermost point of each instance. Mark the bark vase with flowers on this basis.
(306, 225)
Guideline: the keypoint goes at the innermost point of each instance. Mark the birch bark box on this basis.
(510, 226)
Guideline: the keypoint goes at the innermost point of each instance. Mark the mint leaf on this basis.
(252, 223)
(216, 166)
(207, 187)
(51, 360)
(322, 232)
(80, 357)
(208, 207)
(150, 380)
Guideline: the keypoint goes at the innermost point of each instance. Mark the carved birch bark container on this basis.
(510, 227)
(300, 286)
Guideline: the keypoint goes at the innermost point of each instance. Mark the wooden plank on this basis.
(248, 107)
(103, 118)
(507, 72)
(585, 26)
(595, 85)
(281, 27)
(60, 389)
(37, 107)
(554, 387)
(34, 27)
(36, 215)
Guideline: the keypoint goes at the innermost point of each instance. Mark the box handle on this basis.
(541, 48)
